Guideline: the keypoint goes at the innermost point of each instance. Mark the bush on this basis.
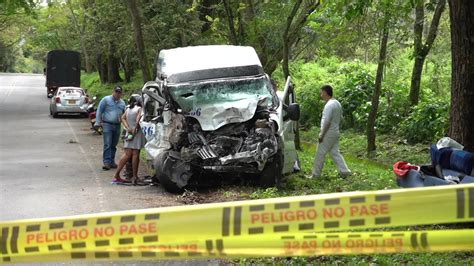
(427, 122)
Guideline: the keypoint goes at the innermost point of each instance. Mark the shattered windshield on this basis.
(194, 95)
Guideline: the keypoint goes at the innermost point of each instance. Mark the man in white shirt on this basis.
(329, 136)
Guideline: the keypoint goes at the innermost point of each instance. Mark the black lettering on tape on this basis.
(127, 219)
(78, 255)
(310, 237)
(171, 254)
(55, 247)
(152, 216)
(382, 220)
(385, 197)
(424, 240)
(357, 200)
(3, 241)
(332, 201)
(7, 259)
(353, 236)
(470, 202)
(79, 223)
(33, 228)
(281, 206)
(226, 221)
(288, 237)
(194, 254)
(414, 241)
(101, 243)
(58, 225)
(220, 246)
(125, 241)
(102, 255)
(398, 234)
(256, 208)
(357, 222)
(460, 202)
(148, 254)
(104, 220)
(255, 230)
(209, 246)
(78, 245)
(281, 228)
(31, 249)
(307, 226)
(376, 235)
(237, 220)
(14, 240)
(304, 204)
(332, 236)
(125, 254)
(147, 239)
(333, 224)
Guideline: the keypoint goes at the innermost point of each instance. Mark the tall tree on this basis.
(137, 30)
(259, 24)
(378, 85)
(421, 49)
(80, 30)
(462, 91)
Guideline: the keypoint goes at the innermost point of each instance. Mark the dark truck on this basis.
(63, 68)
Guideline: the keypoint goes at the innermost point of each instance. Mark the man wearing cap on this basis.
(108, 116)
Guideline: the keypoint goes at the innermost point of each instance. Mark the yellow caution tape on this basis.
(272, 246)
(256, 218)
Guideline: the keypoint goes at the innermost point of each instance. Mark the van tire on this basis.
(272, 172)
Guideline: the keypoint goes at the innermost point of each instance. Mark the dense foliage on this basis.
(333, 42)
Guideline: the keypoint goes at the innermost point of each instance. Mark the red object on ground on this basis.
(401, 168)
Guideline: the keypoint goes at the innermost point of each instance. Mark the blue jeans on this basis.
(111, 135)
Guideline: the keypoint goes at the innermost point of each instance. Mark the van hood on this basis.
(213, 116)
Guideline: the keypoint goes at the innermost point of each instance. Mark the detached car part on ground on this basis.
(211, 110)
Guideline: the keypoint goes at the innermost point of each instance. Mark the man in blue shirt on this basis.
(108, 117)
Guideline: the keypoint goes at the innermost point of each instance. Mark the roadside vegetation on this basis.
(392, 65)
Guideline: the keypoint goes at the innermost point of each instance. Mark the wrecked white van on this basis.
(212, 109)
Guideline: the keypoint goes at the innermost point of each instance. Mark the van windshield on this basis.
(194, 95)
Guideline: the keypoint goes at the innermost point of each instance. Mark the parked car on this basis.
(69, 100)
(212, 109)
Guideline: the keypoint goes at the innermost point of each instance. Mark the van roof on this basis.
(195, 58)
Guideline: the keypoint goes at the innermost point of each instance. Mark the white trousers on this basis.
(330, 144)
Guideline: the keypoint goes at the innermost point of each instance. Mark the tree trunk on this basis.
(416, 80)
(113, 66)
(462, 90)
(230, 23)
(85, 53)
(421, 50)
(127, 66)
(102, 68)
(137, 30)
(378, 90)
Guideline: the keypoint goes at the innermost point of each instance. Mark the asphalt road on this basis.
(52, 167)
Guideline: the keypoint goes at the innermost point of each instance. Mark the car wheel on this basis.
(55, 115)
(172, 173)
(271, 174)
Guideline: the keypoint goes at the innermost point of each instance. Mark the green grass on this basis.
(369, 174)
(91, 83)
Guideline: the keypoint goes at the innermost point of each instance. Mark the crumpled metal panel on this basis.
(219, 114)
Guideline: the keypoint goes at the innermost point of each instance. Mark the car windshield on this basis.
(192, 95)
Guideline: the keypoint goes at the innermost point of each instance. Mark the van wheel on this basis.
(271, 174)
(172, 173)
